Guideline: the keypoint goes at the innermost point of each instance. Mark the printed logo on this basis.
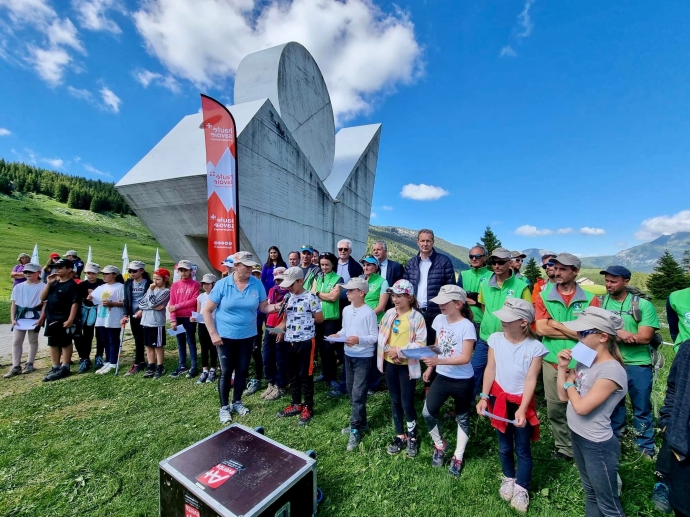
(510, 293)
(222, 472)
(686, 317)
(190, 511)
(577, 307)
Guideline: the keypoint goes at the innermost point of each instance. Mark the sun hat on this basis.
(515, 309)
(208, 278)
(450, 293)
(185, 264)
(501, 253)
(246, 258)
(136, 264)
(162, 272)
(92, 267)
(371, 259)
(596, 318)
(31, 268)
(229, 261)
(111, 269)
(22, 255)
(357, 283)
(517, 254)
(401, 287)
(72, 253)
(568, 259)
(291, 275)
(617, 271)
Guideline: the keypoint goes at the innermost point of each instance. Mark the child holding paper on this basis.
(109, 298)
(455, 338)
(152, 316)
(510, 378)
(401, 327)
(208, 349)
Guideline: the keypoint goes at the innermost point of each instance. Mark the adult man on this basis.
(391, 270)
(516, 259)
(72, 256)
(493, 292)
(135, 288)
(293, 259)
(563, 302)
(545, 284)
(428, 271)
(347, 266)
(639, 324)
(678, 316)
(307, 266)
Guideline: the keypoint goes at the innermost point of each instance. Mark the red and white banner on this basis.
(221, 169)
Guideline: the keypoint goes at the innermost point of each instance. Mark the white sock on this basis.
(462, 443)
(436, 437)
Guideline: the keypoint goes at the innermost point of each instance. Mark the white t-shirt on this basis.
(203, 300)
(25, 295)
(424, 267)
(110, 316)
(449, 338)
(513, 361)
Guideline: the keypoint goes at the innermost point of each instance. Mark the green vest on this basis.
(372, 297)
(325, 284)
(546, 287)
(471, 282)
(680, 303)
(558, 311)
(494, 297)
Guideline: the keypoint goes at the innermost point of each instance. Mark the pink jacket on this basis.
(183, 295)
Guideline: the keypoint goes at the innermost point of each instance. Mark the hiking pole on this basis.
(119, 350)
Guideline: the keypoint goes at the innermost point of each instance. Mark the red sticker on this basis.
(190, 511)
(217, 475)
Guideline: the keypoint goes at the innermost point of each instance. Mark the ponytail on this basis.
(466, 312)
(529, 331)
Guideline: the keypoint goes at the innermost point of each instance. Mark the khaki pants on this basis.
(555, 409)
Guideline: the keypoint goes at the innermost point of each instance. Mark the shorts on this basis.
(153, 336)
(58, 335)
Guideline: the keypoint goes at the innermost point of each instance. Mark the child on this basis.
(26, 305)
(401, 327)
(109, 298)
(455, 338)
(151, 314)
(592, 394)
(88, 320)
(254, 384)
(208, 349)
(183, 295)
(514, 362)
(275, 354)
(361, 330)
(302, 313)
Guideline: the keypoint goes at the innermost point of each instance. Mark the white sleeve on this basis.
(346, 320)
(436, 324)
(469, 331)
(371, 328)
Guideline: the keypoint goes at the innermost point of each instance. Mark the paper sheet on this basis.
(583, 354)
(180, 330)
(275, 330)
(501, 419)
(24, 324)
(418, 353)
(198, 317)
(336, 339)
(96, 296)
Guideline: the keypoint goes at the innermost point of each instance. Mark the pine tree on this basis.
(489, 240)
(532, 272)
(668, 276)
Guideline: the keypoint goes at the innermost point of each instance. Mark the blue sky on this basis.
(527, 115)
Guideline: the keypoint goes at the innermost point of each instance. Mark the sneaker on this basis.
(456, 467)
(150, 371)
(507, 488)
(224, 414)
(15, 370)
(355, 438)
(240, 408)
(305, 416)
(335, 390)
(291, 410)
(28, 368)
(191, 373)
(412, 447)
(268, 390)
(57, 372)
(370, 393)
(160, 371)
(211, 375)
(132, 370)
(346, 430)
(178, 371)
(277, 394)
(98, 362)
(103, 369)
(660, 498)
(437, 456)
(520, 500)
(396, 445)
(84, 366)
(253, 386)
(202, 377)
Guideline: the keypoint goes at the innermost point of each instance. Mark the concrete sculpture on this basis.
(299, 182)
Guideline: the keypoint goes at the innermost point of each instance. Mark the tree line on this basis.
(77, 192)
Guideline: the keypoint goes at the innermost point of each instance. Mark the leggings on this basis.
(111, 342)
(234, 355)
(85, 342)
(256, 347)
(401, 389)
(330, 352)
(17, 346)
(462, 391)
(207, 348)
(138, 335)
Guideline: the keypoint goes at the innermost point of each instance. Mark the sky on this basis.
(562, 125)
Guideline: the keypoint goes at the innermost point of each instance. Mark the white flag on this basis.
(89, 258)
(125, 262)
(34, 255)
(158, 260)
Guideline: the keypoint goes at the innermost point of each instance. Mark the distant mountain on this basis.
(536, 253)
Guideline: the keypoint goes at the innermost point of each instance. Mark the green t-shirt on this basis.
(680, 303)
(471, 282)
(636, 355)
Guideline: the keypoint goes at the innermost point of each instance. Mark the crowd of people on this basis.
(483, 339)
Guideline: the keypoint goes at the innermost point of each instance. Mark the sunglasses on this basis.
(548, 264)
(135, 270)
(396, 323)
(475, 257)
(31, 272)
(499, 262)
(518, 260)
(343, 249)
(584, 333)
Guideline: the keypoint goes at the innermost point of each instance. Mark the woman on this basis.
(592, 393)
(236, 298)
(274, 260)
(49, 268)
(17, 274)
(88, 320)
(377, 297)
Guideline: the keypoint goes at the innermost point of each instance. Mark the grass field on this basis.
(90, 445)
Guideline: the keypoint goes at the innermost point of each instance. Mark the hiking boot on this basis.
(305, 416)
(98, 362)
(191, 373)
(202, 378)
(660, 498)
(346, 430)
(456, 467)
(277, 394)
(507, 488)
(224, 414)
(211, 375)
(84, 366)
(397, 445)
(520, 500)
(150, 371)
(178, 371)
(268, 390)
(253, 386)
(160, 371)
(15, 370)
(240, 408)
(437, 456)
(355, 438)
(412, 447)
(28, 368)
(291, 410)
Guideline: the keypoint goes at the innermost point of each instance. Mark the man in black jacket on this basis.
(428, 271)
(135, 288)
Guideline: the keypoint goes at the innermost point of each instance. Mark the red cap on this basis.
(161, 271)
(54, 255)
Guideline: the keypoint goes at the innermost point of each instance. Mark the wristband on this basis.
(567, 385)
(483, 396)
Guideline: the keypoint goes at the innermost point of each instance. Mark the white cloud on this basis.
(422, 192)
(28, 11)
(525, 20)
(53, 162)
(92, 14)
(79, 93)
(146, 77)
(586, 230)
(387, 208)
(564, 231)
(664, 225)
(63, 32)
(49, 63)
(532, 231)
(5, 132)
(94, 170)
(362, 51)
(507, 51)
(111, 100)
(373, 215)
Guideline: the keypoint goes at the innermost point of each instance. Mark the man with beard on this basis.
(549, 282)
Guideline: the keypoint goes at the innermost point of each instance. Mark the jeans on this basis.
(480, 357)
(517, 440)
(275, 360)
(375, 377)
(301, 371)
(401, 389)
(555, 409)
(357, 376)
(256, 347)
(208, 349)
(640, 392)
(598, 466)
(190, 337)
(234, 355)
(111, 342)
(138, 335)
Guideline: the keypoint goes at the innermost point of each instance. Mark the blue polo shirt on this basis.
(236, 314)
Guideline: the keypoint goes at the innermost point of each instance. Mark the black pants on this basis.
(85, 341)
(401, 389)
(257, 355)
(330, 352)
(234, 355)
(357, 375)
(207, 348)
(300, 370)
(441, 389)
(138, 334)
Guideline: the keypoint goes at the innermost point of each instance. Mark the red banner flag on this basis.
(221, 181)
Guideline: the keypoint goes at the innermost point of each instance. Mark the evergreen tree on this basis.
(668, 276)
(61, 193)
(99, 203)
(489, 240)
(686, 256)
(5, 185)
(532, 272)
